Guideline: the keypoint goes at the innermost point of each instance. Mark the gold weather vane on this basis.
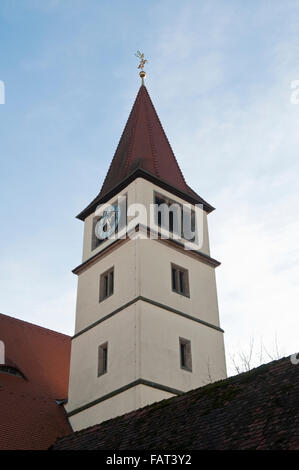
(143, 61)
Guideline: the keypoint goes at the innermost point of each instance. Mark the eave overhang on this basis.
(141, 173)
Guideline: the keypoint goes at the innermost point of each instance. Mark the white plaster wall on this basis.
(143, 339)
(127, 401)
(150, 395)
(160, 331)
(89, 309)
(143, 342)
(121, 333)
(155, 258)
(143, 267)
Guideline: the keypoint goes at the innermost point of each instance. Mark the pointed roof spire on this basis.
(144, 144)
(144, 150)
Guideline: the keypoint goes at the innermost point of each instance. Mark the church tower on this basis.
(147, 322)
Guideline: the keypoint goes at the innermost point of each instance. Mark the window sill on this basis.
(186, 369)
(181, 293)
(102, 373)
(105, 298)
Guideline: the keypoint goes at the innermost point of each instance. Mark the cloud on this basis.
(237, 144)
(37, 292)
(257, 282)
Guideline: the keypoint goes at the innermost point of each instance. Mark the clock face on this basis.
(107, 225)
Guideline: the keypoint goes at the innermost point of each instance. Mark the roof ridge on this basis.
(150, 131)
(133, 131)
(120, 139)
(165, 135)
(32, 396)
(26, 324)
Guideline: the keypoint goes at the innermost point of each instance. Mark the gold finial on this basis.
(143, 61)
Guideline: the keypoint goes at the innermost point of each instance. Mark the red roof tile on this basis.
(30, 416)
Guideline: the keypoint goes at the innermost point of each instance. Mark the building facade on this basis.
(147, 321)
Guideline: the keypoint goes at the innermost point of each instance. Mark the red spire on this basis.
(144, 144)
(144, 150)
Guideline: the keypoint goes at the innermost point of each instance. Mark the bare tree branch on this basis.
(244, 361)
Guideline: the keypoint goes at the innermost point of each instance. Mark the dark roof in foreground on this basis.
(35, 374)
(255, 410)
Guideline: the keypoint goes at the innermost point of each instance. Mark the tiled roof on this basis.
(144, 150)
(255, 410)
(144, 144)
(30, 418)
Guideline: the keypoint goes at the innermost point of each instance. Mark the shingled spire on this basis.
(144, 150)
(144, 144)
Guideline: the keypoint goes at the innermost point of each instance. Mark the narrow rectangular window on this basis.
(106, 284)
(181, 277)
(172, 222)
(180, 280)
(185, 354)
(173, 274)
(179, 219)
(111, 281)
(103, 359)
(95, 241)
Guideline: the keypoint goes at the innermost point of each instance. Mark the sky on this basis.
(219, 75)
